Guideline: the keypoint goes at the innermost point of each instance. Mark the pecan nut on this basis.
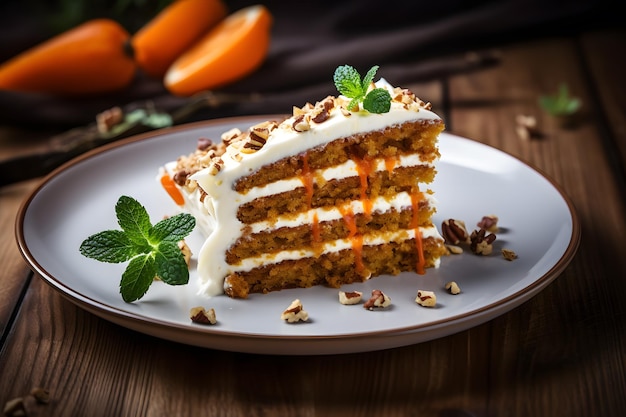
(378, 300)
(454, 232)
(481, 242)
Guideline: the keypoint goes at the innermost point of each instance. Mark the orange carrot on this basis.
(88, 59)
(236, 47)
(170, 186)
(171, 32)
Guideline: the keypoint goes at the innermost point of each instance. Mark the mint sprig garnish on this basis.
(348, 82)
(151, 249)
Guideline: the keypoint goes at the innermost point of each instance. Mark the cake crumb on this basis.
(350, 297)
(295, 312)
(378, 300)
(426, 298)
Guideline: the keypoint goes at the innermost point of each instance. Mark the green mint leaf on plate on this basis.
(133, 219)
(137, 277)
(153, 251)
(172, 229)
(377, 101)
(170, 265)
(112, 246)
(349, 83)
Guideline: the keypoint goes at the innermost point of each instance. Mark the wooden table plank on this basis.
(556, 341)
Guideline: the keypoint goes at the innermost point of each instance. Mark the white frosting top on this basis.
(222, 201)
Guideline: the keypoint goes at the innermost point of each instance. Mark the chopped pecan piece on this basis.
(202, 316)
(481, 242)
(350, 297)
(300, 124)
(453, 288)
(508, 254)
(454, 232)
(426, 298)
(377, 300)
(295, 312)
(489, 223)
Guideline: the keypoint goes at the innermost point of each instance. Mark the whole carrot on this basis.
(88, 59)
(172, 31)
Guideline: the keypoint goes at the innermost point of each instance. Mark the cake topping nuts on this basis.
(295, 312)
(377, 300)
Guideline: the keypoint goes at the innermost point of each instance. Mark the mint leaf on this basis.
(348, 82)
(377, 101)
(112, 246)
(133, 219)
(369, 77)
(172, 229)
(153, 251)
(137, 277)
(170, 264)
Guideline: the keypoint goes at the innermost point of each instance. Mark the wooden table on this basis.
(562, 353)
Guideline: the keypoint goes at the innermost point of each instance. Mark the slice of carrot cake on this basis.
(332, 195)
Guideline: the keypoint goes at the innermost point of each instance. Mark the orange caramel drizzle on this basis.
(416, 196)
(307, 180)
(364, 168)
(390, 163)
(355, 238)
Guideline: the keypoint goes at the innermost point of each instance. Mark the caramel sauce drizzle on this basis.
(364, 168)
(390, 163)
(416, 196)
(355, 238)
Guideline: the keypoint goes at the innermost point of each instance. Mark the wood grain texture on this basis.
(562, 353)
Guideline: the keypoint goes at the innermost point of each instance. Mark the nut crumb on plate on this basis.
(350, 297)
(426, 298)
(489, 223)
(481, 242)
(378, 300)
(508, 254)
(453, 288)
(295, 312)
(202, 316)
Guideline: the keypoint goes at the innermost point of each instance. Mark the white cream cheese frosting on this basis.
(222, 201)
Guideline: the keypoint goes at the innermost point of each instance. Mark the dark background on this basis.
(408, 39)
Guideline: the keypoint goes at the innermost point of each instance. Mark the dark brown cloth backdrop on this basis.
(311, 38)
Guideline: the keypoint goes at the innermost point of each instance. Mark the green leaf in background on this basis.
(561, 103)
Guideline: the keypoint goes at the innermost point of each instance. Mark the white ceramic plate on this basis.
(536, 221)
